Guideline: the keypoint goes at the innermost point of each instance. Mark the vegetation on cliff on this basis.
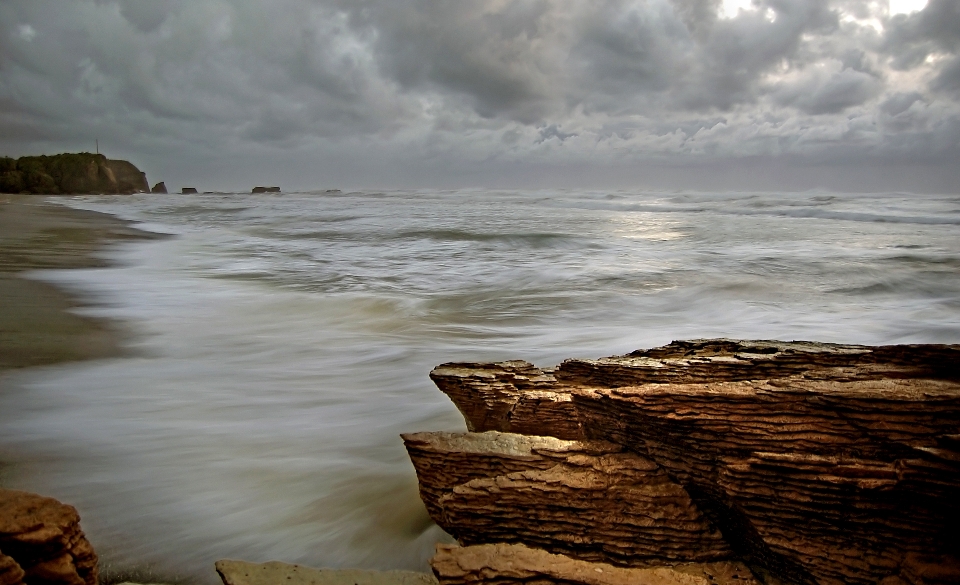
(79, 173)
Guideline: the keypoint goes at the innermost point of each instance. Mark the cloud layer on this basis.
(489, 91)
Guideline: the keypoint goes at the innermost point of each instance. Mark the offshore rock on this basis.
(160, 187)
(506, 564)
(819, 463)
(277, 573)
(44, 538)
(265, 190)
(589, 500)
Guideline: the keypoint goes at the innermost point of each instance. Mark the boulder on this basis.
(277, 573)
(44, 538)
(159, 188)
(818, 463)
(507, 564)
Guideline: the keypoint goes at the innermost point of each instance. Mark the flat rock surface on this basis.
(277, 573)
(516, 563)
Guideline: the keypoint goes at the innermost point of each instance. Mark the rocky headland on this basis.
(701, 462)
(71, 173)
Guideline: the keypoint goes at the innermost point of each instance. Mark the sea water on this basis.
(280, 343)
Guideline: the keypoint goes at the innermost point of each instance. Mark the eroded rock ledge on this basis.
(810, 463)
(41, 542)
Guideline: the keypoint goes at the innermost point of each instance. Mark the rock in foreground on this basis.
(43, 538)
(812, 463)
(277, 573)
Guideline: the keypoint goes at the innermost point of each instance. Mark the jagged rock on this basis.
(277, 573)
(10, 572)
(509, 396)
(507, 564)
(265, 190)
(44, 537)
(160, 187)
(819, 463)
(589, 500)
(188, 191)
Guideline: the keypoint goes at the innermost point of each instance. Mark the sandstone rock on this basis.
(509, 396)
(188, 191)
(160, 187)
(265, 190)
(504, 564)
(10, 572)
(277, 573)
(819, 463)
(44, 537)
(589, 500)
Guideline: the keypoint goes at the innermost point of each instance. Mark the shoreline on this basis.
(37, 322)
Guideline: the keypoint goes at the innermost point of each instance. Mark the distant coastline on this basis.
(79, 173)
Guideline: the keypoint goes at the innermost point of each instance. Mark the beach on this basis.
(261, 362)
(37, 323)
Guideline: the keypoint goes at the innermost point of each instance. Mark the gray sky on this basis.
(857, 95)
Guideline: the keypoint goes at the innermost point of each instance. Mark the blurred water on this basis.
(283, 341)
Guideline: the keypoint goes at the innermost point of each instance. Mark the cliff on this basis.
(793, 463)
(73, 173)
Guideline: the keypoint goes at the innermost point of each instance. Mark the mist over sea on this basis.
(280, 343)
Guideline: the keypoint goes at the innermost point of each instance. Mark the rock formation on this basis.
(518, 564)
(277, 573)
(41, 542)
(71, 173)
(811, 463)
(188, 191)
(160, 187)
(265, 190)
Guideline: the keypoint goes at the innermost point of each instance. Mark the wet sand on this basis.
(37, 326)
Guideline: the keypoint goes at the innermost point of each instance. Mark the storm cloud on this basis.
(398, 93)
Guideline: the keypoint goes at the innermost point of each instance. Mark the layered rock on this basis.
(10, 572)
(589, 500)
(43, 537)
(508, 564)
(72, 173)
(819, 463)
(277, 573)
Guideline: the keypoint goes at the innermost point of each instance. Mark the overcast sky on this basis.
(703, 94)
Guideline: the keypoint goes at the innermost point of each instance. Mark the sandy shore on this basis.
(36, 325)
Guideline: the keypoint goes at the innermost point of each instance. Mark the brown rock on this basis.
(819, 463)
(589, 500)
(44, 537)
(10, 571)
(160, 187)
(277, 573)
(510, 396)
(505, 564)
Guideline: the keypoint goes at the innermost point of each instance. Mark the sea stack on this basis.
(265, 190)
(188, 191)
(708, 461)
(159, 188)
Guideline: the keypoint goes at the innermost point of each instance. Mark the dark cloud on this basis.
(362, 88)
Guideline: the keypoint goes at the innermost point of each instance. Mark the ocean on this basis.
(280, 343)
